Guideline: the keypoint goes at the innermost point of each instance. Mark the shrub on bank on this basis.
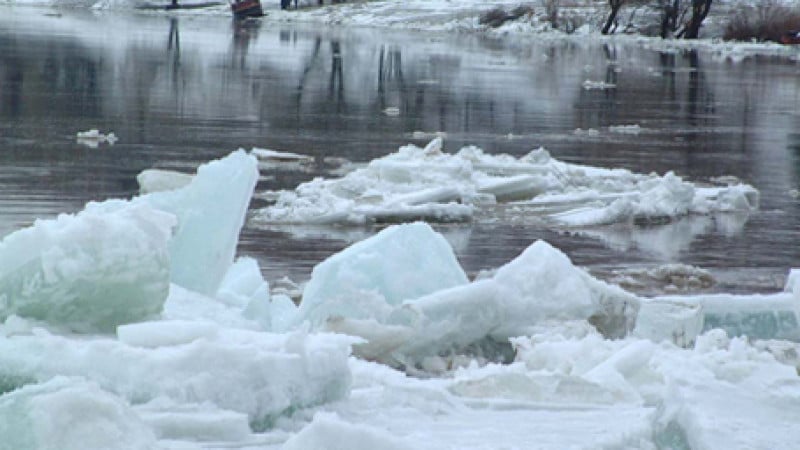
(768, 21)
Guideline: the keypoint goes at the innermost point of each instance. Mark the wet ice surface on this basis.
(177, 92)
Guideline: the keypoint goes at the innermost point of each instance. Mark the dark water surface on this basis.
(180, 91)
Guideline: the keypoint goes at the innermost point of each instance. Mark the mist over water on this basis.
(179, 91)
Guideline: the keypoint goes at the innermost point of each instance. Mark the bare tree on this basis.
(612, 16)
(700, 9)
(551, 10)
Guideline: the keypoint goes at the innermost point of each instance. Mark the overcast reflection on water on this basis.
(180, 91)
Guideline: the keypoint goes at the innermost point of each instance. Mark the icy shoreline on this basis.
(219, 359)
(454, 17)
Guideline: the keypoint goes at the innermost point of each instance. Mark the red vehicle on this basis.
(243, 9)
(791, 37)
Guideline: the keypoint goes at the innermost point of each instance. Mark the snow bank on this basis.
(70, 414)
(73, 271)
(257, 374)
(428, 183)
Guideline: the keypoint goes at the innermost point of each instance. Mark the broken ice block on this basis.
(88, 272)
(369, 278)
(670, 321)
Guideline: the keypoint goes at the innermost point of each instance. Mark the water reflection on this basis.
(178, 92)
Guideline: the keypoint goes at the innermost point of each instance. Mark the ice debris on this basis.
(426, 183)
(404, 292)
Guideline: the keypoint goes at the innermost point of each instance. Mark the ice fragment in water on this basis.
(157, 180)
(88, 272)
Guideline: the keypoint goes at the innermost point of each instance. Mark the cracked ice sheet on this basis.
(426, 183)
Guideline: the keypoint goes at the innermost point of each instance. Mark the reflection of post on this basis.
(390, 68)
(337, 80)
(667, 60)
(611, 65)
(12, 84)
(174, 47)
(700, 100)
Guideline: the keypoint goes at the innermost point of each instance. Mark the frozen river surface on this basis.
(181, 91)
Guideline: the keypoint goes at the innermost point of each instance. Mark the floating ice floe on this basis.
(599, 85)
(277, 160)
(93, 138)
(157, 180)
(625, 129)
(429, 184)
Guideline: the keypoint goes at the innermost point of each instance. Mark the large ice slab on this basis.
(211, 211)
(430, 184)
(538, 286)
(88, 272)
(70, 414)
(371, 277)
(257, 374)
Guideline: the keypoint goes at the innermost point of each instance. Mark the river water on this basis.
(178, 91)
